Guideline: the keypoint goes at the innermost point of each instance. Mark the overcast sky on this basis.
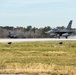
(37, 13)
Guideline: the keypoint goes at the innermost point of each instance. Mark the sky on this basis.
(37, 13)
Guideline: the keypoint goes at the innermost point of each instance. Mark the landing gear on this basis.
(58, 36)
(66, 37)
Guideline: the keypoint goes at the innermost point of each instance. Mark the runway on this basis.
(35, 40)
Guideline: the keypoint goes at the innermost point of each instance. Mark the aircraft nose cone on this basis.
(51, 30)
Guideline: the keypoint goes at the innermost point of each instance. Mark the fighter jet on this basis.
(62, 32)
(10, 35)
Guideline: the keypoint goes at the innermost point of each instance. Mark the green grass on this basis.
(38, 57)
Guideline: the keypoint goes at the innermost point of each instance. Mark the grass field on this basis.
(38, 58)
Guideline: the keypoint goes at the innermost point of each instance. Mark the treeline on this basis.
(22, 32)
(28, 32)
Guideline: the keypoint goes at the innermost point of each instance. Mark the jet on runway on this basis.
(62, 32)
(12, 35)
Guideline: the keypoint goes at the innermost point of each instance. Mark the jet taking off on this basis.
(62, 32)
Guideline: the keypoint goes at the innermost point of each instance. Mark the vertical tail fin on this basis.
(9, 33)
(69, 25)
